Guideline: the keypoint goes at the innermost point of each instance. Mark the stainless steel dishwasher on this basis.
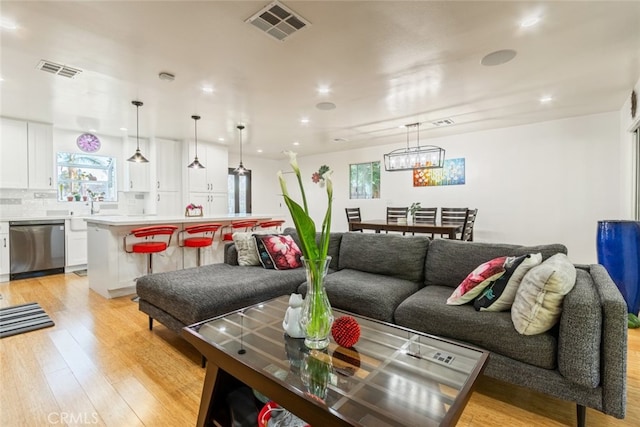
(36, 248)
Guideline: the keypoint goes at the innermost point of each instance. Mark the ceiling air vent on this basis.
(443, 122)
(59, 69)
(278, 21)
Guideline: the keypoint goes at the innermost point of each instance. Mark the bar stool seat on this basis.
(149, 245)
(205, 234)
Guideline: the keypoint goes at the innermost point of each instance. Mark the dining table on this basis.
(449, 229)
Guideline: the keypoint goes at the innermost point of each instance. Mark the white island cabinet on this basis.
(112, 271)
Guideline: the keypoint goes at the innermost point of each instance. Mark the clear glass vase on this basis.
(316, 317)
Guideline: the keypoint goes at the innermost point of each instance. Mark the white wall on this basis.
(541, 183)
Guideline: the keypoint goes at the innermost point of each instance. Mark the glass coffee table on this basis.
(393, 376)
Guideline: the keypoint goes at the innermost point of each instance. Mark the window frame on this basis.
(235, 204)
(374, 169)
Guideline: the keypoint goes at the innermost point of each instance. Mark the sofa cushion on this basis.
(481, 277)
(449, 261)
(538, 302)
(334, 244)
(499, 295)
(385, 254)
(367, 294)
(281, 250)
(426, 311)
(195, 294)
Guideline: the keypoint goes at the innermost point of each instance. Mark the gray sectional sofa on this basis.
(406, 280)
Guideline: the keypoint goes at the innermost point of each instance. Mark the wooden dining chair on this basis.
(469, 221)
(396, 213)
(425, 216)
(449, 216)
(353, 215)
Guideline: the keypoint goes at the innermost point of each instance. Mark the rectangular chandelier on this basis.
(425, 157)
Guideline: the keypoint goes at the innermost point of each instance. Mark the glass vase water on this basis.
(316, 317)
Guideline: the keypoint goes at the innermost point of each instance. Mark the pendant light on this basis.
(418, 157)
(240, 170)
(196, 163)
(137, 157)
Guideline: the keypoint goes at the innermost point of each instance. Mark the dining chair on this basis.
(425, 216)
(449, 216)
(469, 221)
(394, 214)
(353, 215)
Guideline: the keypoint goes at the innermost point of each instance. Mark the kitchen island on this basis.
(112, 271)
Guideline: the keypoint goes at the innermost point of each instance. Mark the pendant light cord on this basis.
(137, 128)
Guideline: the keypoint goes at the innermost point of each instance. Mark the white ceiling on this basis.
(387, 63)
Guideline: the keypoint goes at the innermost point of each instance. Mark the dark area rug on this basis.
(22, 318)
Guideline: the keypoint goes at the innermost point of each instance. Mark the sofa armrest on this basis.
(614, 342)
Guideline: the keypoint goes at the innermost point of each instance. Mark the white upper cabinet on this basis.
(40, 143)
(14, 170)
(168, 165)
(136, 175)
(213, 178)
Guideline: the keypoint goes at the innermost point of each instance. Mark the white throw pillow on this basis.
(246, 247)
(538, 302)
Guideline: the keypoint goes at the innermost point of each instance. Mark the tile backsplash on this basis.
(29, 203)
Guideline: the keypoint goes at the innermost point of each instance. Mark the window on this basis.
(86, 177)
(364, 180)
(239, 190)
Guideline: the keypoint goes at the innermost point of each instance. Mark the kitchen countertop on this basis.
(122, 220)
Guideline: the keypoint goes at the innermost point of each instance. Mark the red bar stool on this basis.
(156, 239)
(247, 224)
(273, 223)
(204, 238)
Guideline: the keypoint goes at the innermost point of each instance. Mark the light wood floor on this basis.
(100, 365)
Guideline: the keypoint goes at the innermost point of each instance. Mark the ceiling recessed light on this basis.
(123, 129)
(296, 143)
(304, 120)
(93, 130)
(529, 22)
(259, 150)
(221, 139)
(323, 90)
(341, 139)
(498, 57)
(545, 99)
(326, 106)
(207, 89)
(8, 24)
(1, 79)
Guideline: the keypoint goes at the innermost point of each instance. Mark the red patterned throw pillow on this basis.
(278, 251)
(477, 280)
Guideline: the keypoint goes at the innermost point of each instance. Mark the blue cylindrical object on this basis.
(619, 252)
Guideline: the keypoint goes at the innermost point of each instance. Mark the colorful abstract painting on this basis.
(451, 174)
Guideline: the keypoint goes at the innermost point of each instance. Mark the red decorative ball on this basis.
(345, 331)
